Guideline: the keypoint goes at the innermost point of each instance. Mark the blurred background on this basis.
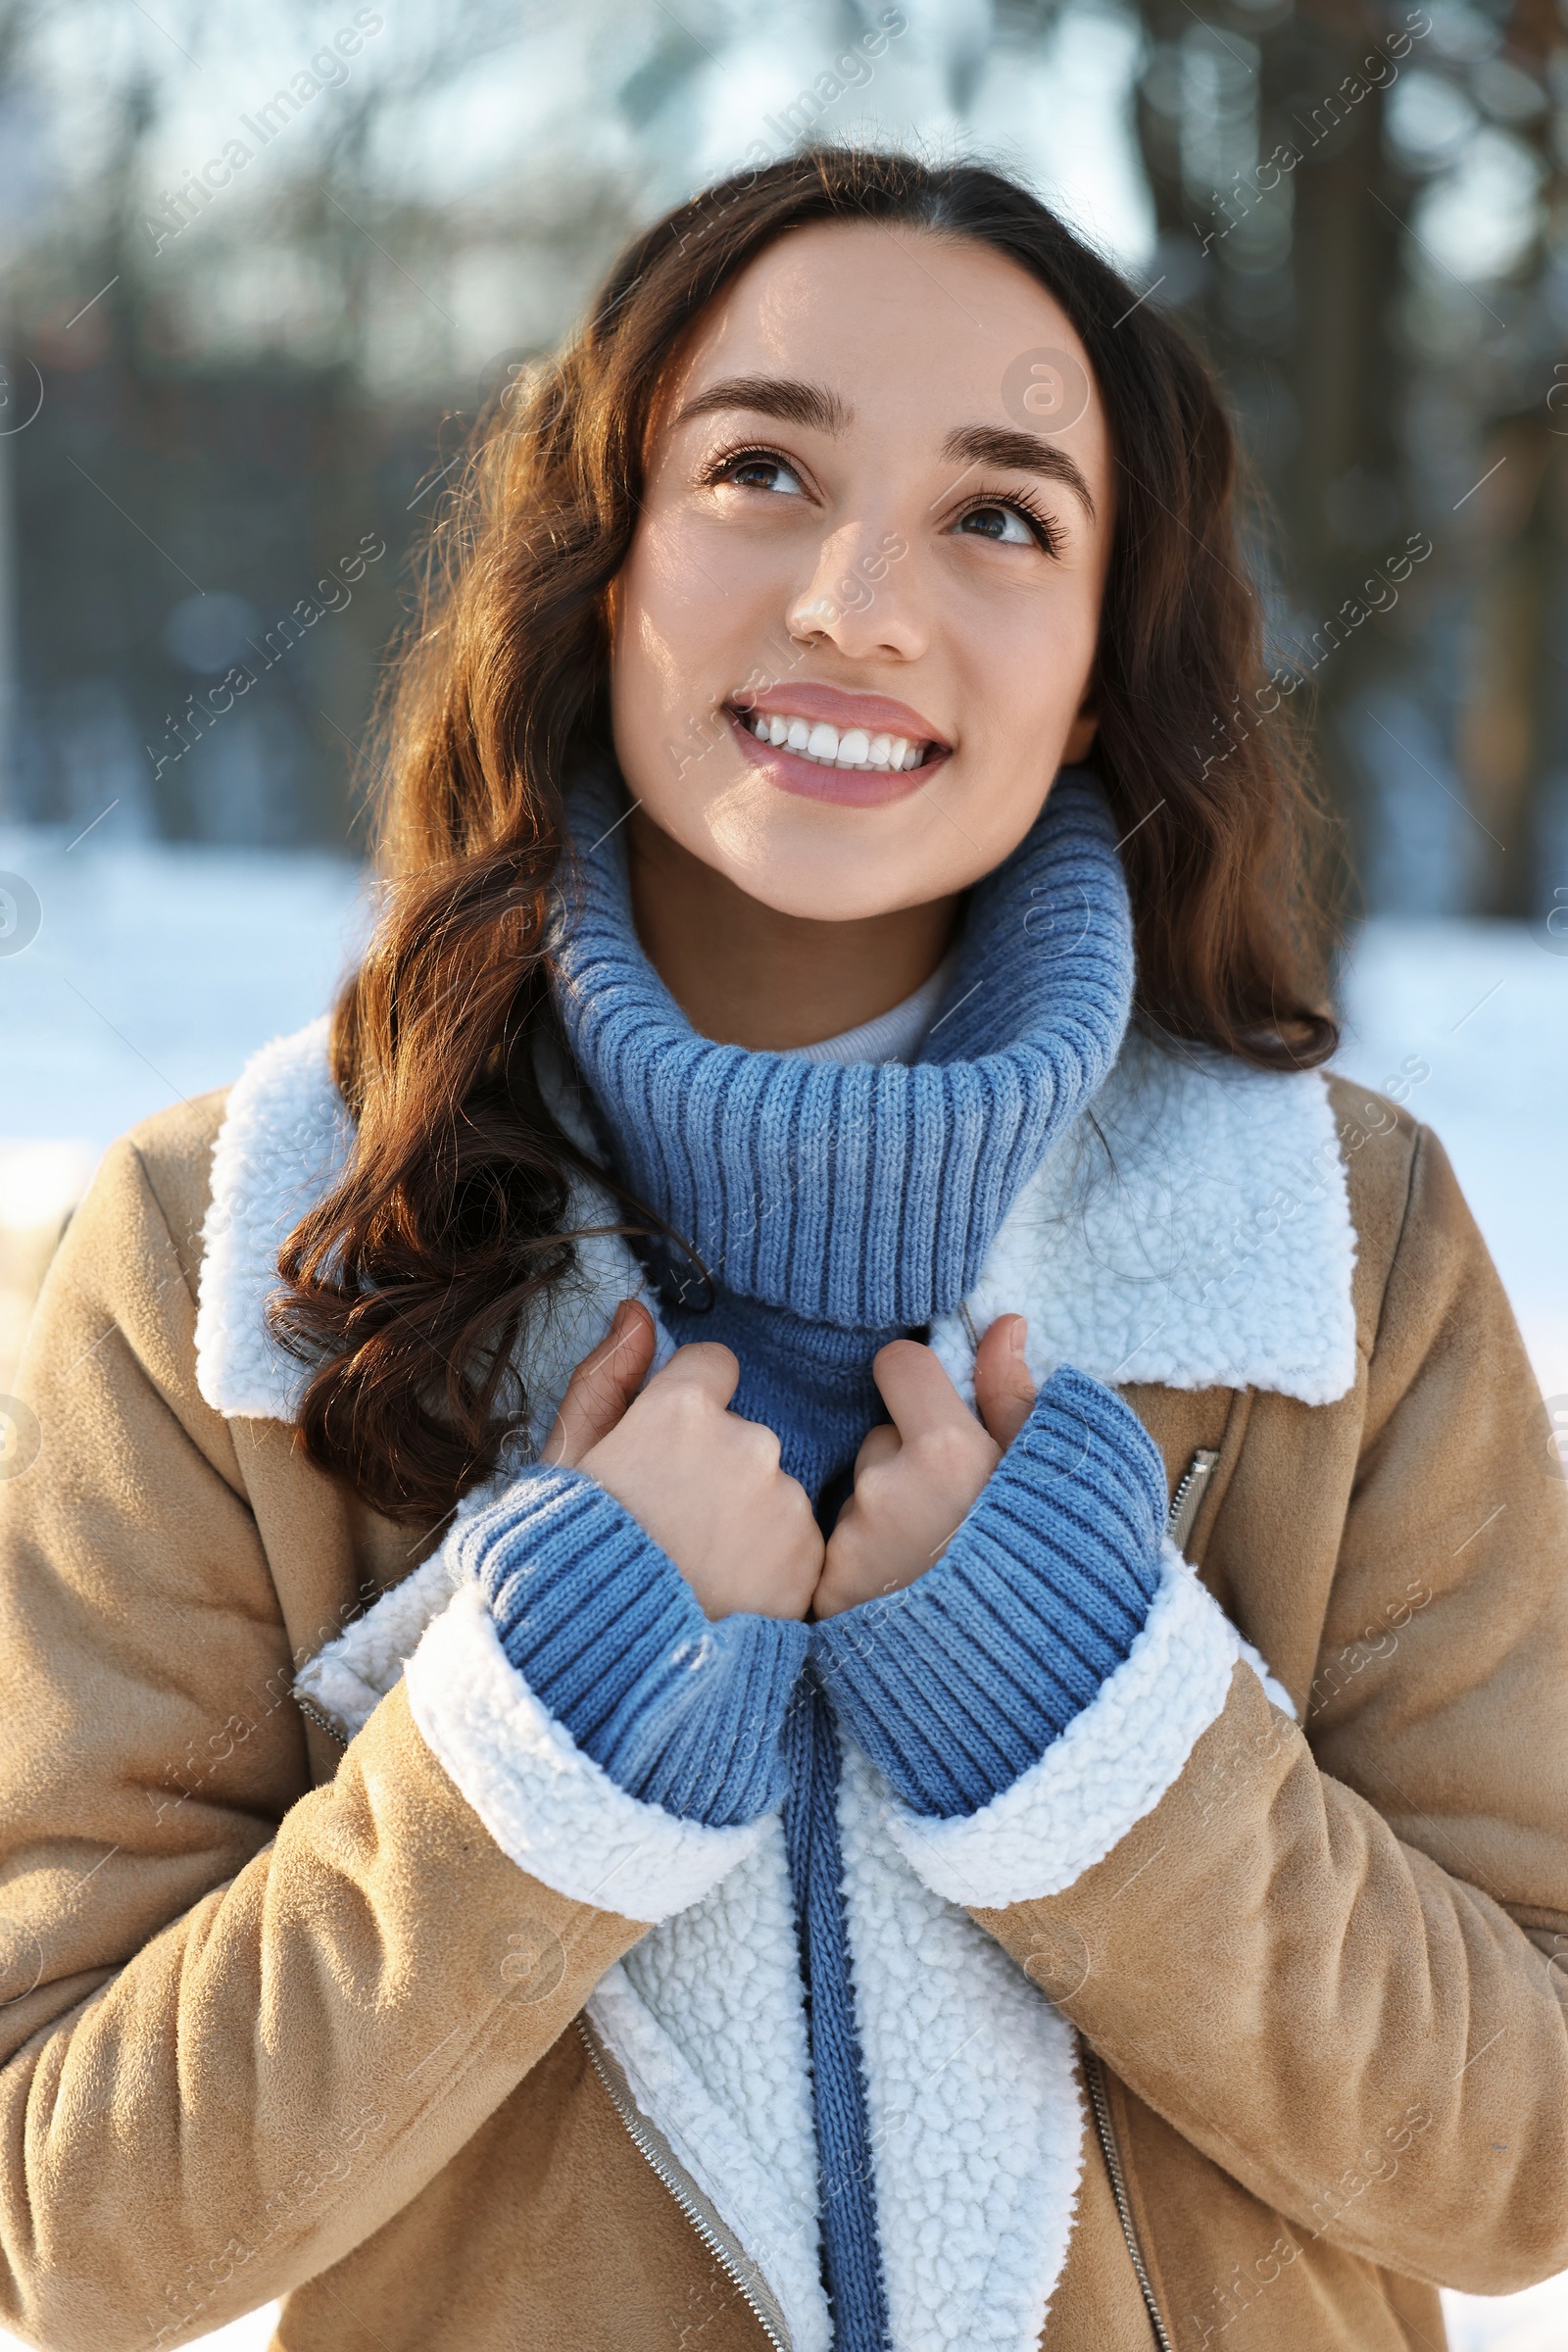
(260, 267)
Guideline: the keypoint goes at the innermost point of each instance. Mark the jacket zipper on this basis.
(650, 2142)
(322, 1722)
(1094, 2077)
(1189, 1494)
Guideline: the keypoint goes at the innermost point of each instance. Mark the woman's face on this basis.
(876, 525)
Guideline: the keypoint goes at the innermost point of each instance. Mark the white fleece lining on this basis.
(1111, 1765)
(546, 1804)
(706, 2018)
(1213, 1248)
(974, 2107)
(977, 2121)
(284, 1142)
(345, 1681)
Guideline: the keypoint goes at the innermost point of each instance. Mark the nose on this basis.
(862, 598)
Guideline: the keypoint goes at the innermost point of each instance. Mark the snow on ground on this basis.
(157, 970)
(1485, 1007)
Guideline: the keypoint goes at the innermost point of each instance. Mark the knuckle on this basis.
(763, 1445)
(799, 1520)
(684, 1412)
(957, 1452)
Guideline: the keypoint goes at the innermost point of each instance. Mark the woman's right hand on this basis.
(705, 1485)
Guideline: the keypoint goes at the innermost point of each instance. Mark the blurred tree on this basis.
(18, 197)
(244, 389)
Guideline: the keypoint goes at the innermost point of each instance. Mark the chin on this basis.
(827, 861)
(814, 892)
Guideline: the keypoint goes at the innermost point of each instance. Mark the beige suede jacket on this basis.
(1236, 2020)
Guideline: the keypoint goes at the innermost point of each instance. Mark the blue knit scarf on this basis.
(835, 1207)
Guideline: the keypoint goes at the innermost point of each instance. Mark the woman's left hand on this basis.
(917, 1477)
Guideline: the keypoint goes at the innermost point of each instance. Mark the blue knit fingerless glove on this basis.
(956, 1684)
(611, 1639)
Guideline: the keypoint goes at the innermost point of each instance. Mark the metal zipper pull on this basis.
(1190, 1492)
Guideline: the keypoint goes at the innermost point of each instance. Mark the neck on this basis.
(746, 975)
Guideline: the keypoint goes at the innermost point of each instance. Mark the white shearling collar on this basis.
(284, 1142)
(1195, 1232)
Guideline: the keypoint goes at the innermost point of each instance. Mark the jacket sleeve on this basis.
(1329, 1956)
(243, 2022)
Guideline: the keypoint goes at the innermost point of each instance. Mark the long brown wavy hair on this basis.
(408, 1288)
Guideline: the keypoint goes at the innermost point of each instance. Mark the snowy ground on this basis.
(1485, 1007)
(156, 970)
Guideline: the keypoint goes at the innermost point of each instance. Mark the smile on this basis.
(828, 746)
(821, 743)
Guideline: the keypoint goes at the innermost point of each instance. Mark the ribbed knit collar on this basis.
(863, 1195)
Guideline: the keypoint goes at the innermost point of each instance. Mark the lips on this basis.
(877, 713)
(812, 777)
(824, 743)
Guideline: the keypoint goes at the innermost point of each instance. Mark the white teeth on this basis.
(820, 740)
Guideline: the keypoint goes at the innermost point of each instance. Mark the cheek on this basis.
(688, 610)
(655, 624)
(1028, 669)
(678, 651)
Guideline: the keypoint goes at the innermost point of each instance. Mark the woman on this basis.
(616, 1742)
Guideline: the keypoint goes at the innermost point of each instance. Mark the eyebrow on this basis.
(1023, 453)
(785, 396)
(820, 410)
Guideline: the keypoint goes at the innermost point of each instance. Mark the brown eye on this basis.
(1008, 523)
(757, 469)
(1000, 523)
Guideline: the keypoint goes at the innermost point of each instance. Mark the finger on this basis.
(1002, 1388)
(878, 1445)
(603, 1385)
(915, 1390)
(704, 1365)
